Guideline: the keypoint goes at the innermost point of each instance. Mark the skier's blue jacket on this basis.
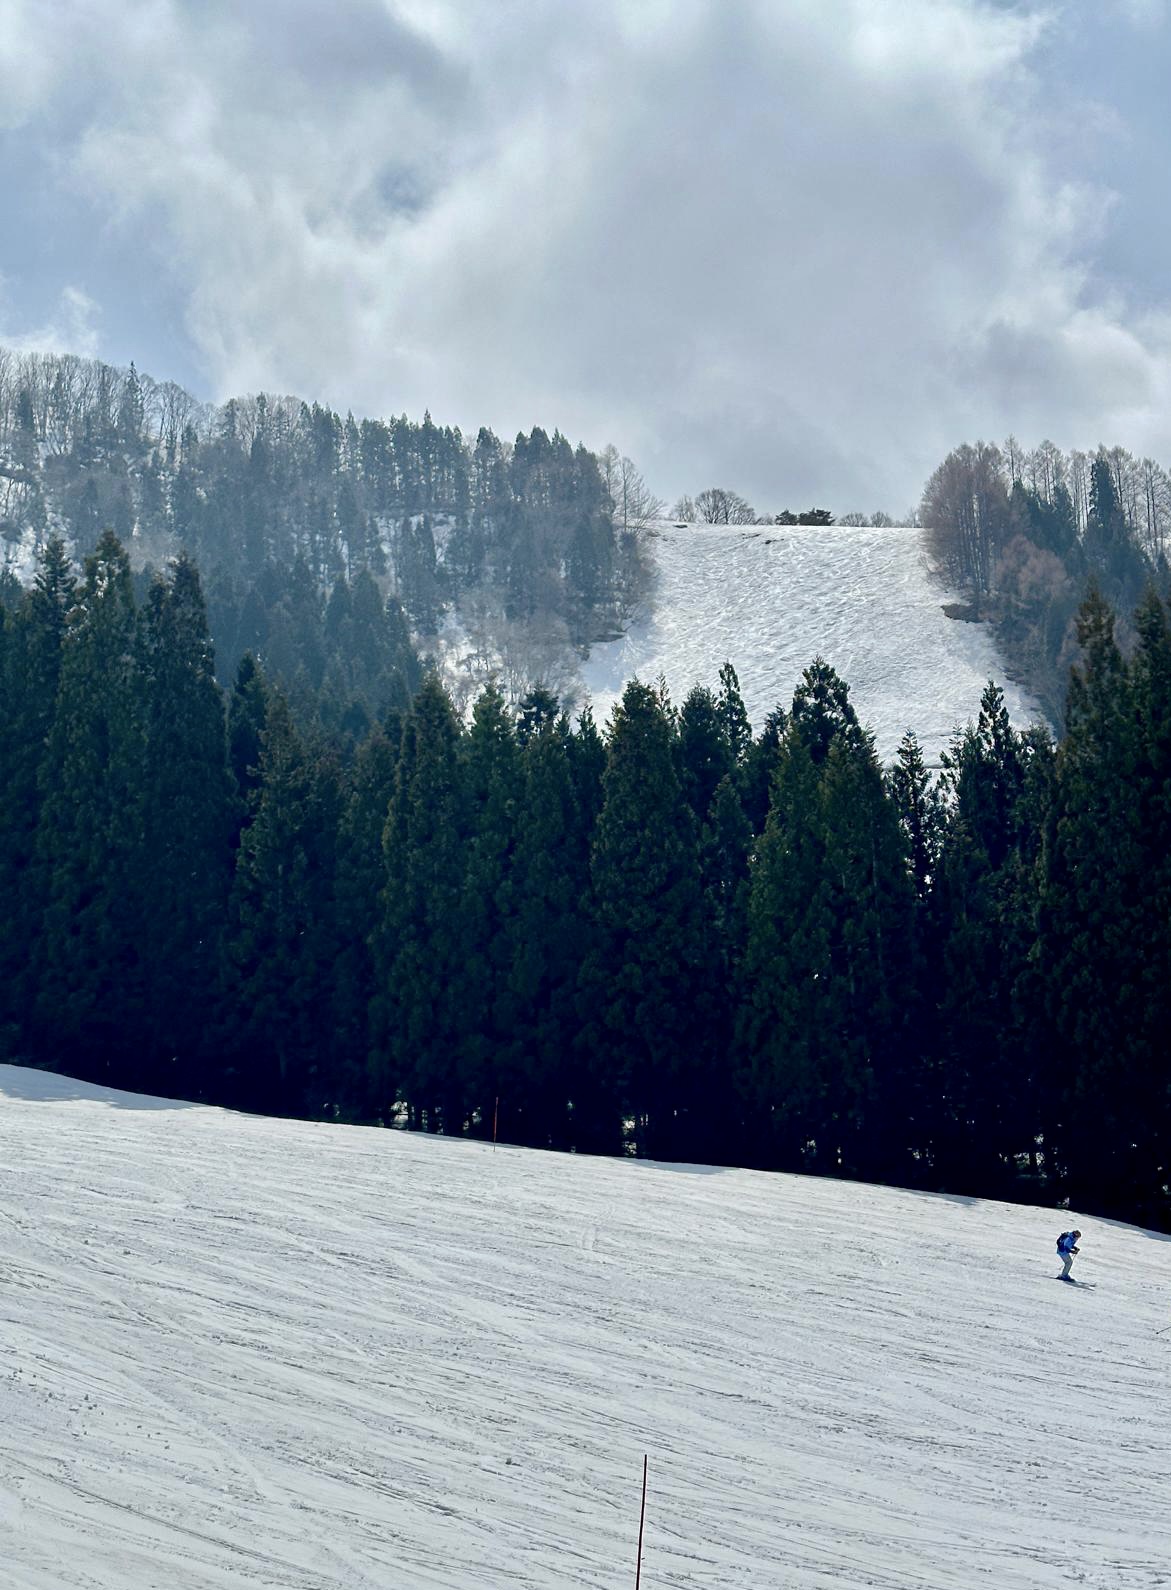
(1065, 1242)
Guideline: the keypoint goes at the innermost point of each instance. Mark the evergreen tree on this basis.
(359, 910)
(646, 984)
(537, 710)
(919, 806)
(734, 715)
(90, 835)
(34, 634)
(247, 719)
(547, 937)
(822, 710)
(786, 955)
(865, 1006)
(492, 787)
(758, 768)
(919, 809)
(725, 843)
(418, 947)
(189, 819)
(1097, 933)
(283, 942)
(829, 948)
(587, 763)
(988, 1108)
(705, 755)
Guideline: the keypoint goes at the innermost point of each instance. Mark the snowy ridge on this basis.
(769, 598)
(242, 1353)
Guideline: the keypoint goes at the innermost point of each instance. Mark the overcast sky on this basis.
(799, 248)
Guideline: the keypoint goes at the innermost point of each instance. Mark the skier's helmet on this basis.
(1077, 1233)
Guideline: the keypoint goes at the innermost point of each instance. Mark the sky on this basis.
(796, 248)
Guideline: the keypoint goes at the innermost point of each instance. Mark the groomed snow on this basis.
(769, 598)
(242, 1352)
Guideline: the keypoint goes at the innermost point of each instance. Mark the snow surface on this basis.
(769, 598)
(241, 1352)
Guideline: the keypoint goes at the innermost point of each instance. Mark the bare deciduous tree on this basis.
(965, 507)
(635, 504)
(717, 505)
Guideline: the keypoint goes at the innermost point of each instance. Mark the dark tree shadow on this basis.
(32, 1086)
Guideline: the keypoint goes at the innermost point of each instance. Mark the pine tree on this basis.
(786, 955)
(864, 1019)
(547, 935)
(35, 634)
(725, 843)
(131, 410)
(645, 994)
(189, 820)
(822, 710)
(359, 909)
(1097, 932)
(282, 942)
(758, 768)
(829, 948)
(734, 715)
(705, 754)
(90, 835)
(587, 762)
(919, 806)
(537, 710)
(920, 811)
(492, 787)
(418, 946)
(988, 1109)
(1151, 683)
(247, 719)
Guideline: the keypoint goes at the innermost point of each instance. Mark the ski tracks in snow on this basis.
(769, 598)
(257, 1353)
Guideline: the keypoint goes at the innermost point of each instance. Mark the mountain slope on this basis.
(242, 1352)
(770, 598)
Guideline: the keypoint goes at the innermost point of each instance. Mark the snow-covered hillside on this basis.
(243, 1353)
(769, 599)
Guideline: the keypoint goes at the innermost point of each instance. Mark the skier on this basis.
(1067, 1247)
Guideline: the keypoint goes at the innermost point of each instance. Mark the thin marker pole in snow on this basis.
(495, 1114)
(641, 1519)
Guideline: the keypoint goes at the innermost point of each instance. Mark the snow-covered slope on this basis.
(769, 599)
(241, 1353)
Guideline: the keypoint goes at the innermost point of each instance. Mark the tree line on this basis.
(1021, 532)
(718, 505)
(671, 936)
(532, 531)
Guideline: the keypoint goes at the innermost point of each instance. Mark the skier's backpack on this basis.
(1066, 1236)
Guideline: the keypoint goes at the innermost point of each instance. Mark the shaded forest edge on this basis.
(535, 544)
(673, 938)
(1022, 533)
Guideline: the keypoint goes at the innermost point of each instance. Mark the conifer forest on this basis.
(311, 886)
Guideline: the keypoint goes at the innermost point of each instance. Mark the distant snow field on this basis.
(240, 1352)
(769, 598)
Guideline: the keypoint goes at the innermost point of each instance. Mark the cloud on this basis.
(1147, 14)
(74, 326)
(800, 251)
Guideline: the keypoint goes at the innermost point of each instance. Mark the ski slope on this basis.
(769, 598)
(241, 1353)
